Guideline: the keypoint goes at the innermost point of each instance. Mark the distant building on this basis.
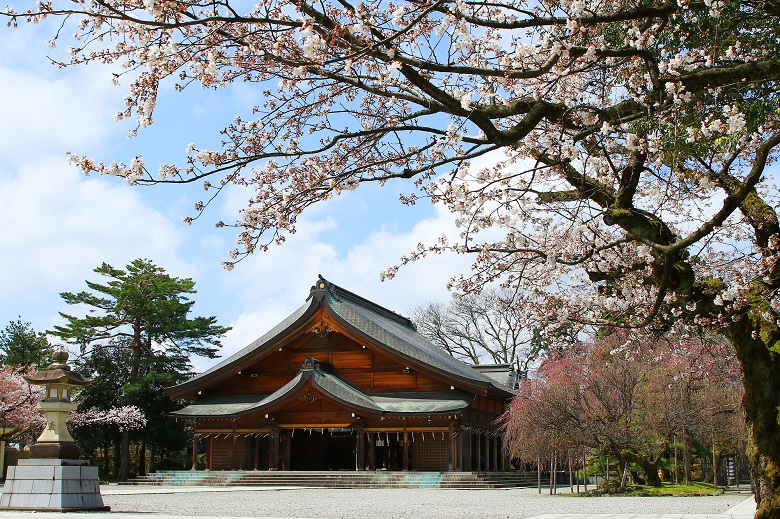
(345, 384)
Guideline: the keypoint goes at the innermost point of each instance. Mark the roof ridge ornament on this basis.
(308, 364)
(321, 287)
(321, 329)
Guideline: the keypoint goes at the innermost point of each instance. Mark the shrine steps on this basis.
(340, 479)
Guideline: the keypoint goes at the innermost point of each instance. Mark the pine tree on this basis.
(146, 311)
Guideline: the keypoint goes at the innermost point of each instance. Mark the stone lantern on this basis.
(59, 381)
(54, 478)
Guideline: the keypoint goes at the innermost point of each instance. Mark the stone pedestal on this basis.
(54, 479)
(53, 485)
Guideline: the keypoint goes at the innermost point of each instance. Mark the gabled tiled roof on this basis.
(401, 337)
(384, 328)
(336, 388)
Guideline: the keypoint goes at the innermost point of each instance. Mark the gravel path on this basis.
(399, 503)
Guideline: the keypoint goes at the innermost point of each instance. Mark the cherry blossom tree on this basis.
(630, 181)
(626, 395)
(547, 414)
(20, 418)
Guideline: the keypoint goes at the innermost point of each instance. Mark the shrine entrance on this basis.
(389, 451)
(323, 449)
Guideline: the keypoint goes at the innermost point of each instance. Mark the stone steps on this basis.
(340, 479)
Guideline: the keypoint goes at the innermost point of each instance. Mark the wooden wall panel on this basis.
(314, 343)
(279, 360)
(431, 384)
(359, 359)
(393, 381)
(344, 343)
(383, 363)
(363, 380)
(267, 383)
(314, 418)
(298, 358)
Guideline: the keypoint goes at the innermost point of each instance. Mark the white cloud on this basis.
(51, 114)
(61, 225)
(272, 285)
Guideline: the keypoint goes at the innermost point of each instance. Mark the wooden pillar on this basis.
(372, 451)
(494, 453)
(460, 450)
(468, 464)
(406, 451)
(453, 453)
(209, 453)
(287, 449)
(486, 452)
(234, 463)
(194, 451)
(257, 452)
(361, 450)
(273, 451)
(478, 452)
(506, 463)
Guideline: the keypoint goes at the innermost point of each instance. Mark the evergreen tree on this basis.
(113, 389)
(22, 347)
(144, 311)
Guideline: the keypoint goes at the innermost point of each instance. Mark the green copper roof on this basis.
(336, 388)
(221, 406)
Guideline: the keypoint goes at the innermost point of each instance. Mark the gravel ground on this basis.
(400, 503)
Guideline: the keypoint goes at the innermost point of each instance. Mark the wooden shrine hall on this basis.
(345, 384)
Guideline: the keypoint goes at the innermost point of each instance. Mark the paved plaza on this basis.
(320, 503)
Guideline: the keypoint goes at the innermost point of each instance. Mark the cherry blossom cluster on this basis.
(607, 161)
(20, 416)
(126, 418)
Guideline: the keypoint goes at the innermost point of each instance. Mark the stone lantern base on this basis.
(56, 450)
(53, 485)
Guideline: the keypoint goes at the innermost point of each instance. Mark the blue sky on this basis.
(59, 224)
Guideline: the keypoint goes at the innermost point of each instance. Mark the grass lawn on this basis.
(666, 489)
(670, 489)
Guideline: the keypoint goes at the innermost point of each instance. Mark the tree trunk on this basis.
(651, 472)
(106, 460)
(539, 475)
(571, 473)
(124, 464)
(117, 457)
(585, 469)
(142, 460)
(687, 455)
(552, 473)
(761, 373)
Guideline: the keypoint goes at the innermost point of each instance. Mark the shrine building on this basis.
(345, 384)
